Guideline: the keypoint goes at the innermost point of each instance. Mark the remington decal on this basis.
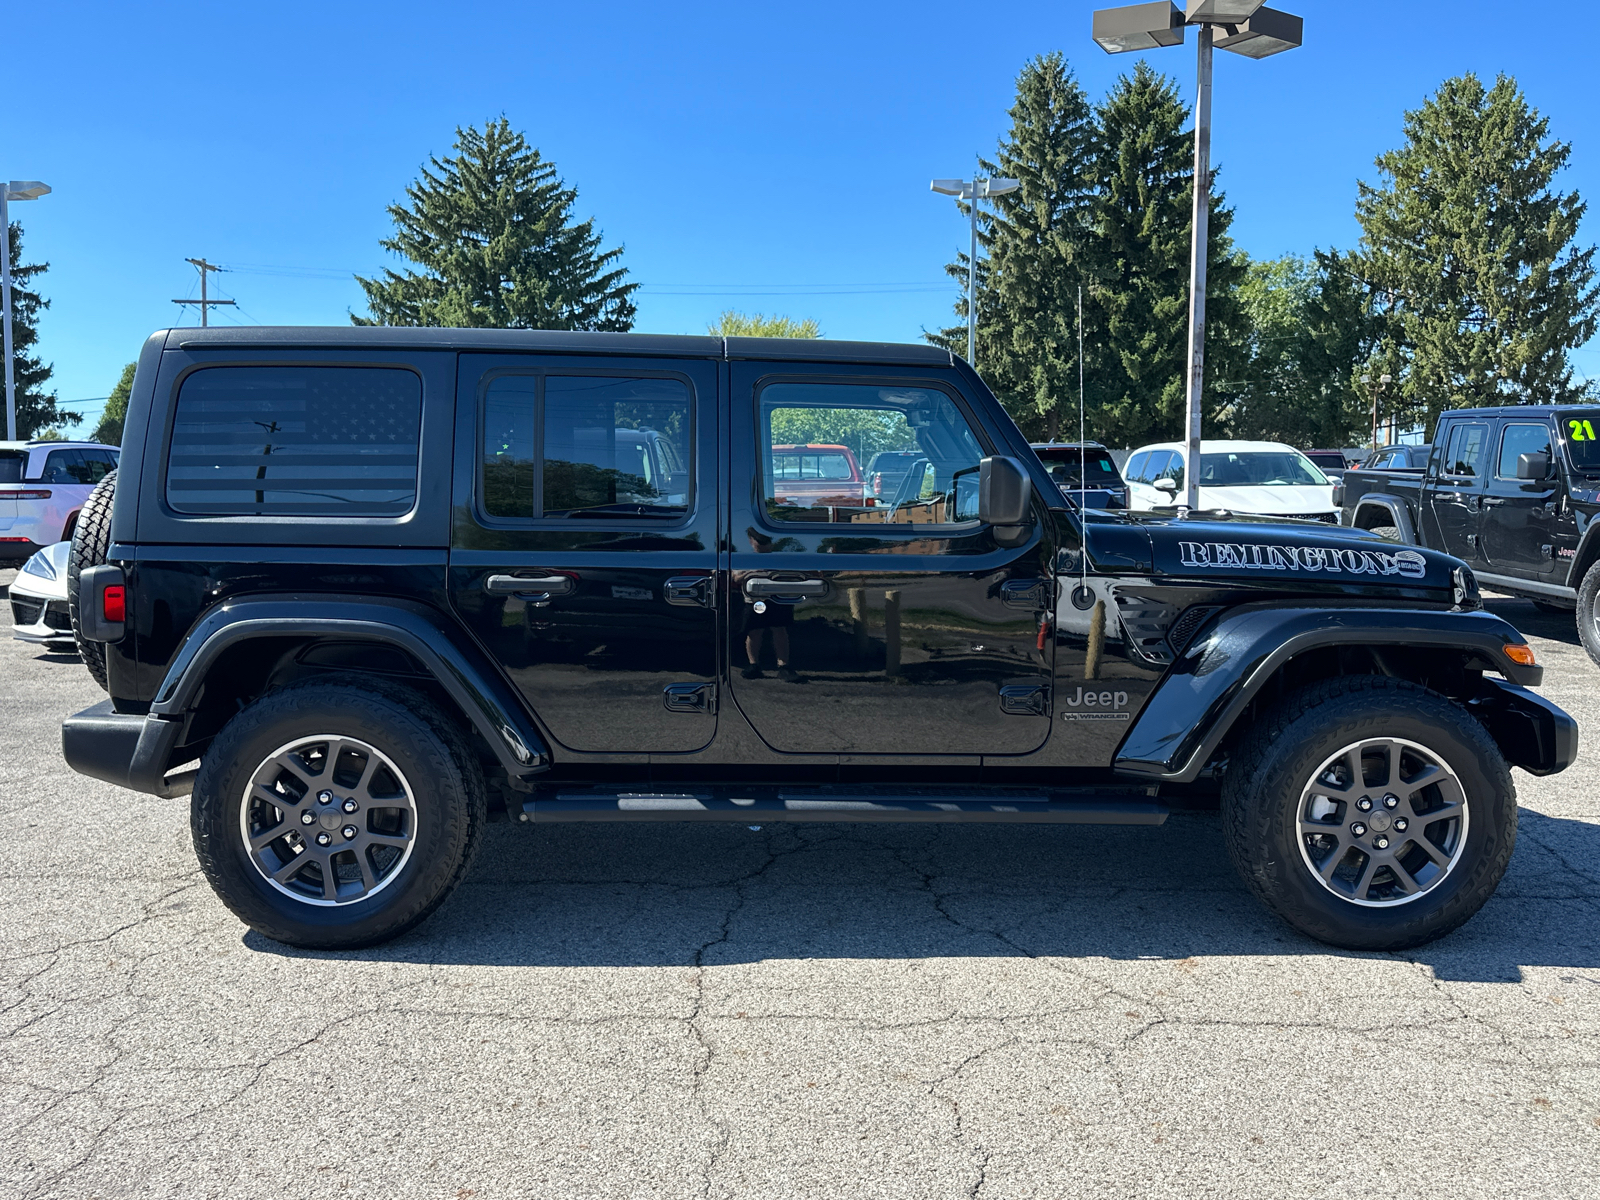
(1405, 563)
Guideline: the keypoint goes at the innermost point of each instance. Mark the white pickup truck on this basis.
(42, 487)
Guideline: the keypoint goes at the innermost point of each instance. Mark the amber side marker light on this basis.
(1521, 654)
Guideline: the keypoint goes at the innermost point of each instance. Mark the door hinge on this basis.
(690, 697)
(1548, 551)
(1472, 539)
(1033, 594)
(1023, 700)
(690, 591)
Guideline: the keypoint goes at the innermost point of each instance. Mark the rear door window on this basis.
(560, 447)
(11, 464)
(1463, 458)
(296, 441)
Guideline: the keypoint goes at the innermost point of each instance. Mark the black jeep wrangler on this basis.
(380, 581)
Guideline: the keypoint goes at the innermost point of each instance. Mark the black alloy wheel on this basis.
(337, 815)
(1370, 813)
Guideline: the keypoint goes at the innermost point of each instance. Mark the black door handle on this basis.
(540, 588)
(802, 588)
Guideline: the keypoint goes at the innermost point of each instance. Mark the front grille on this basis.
(57, 616)
(26, 612)
(1327, 518)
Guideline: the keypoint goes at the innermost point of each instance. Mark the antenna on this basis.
(1083, 454)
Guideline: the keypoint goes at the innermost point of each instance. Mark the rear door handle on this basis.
(539, 588)
(803, 588)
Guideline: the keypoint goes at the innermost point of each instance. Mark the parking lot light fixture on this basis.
(17, 189)
(973, 190)
(1246, 27)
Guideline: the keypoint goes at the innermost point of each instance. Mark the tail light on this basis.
(25, 495)
(877, 484)
(114, 603)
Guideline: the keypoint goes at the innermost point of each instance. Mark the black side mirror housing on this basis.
(1533, 466)
(1005, 497)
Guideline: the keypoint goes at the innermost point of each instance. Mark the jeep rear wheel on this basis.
(1370, 813)
(333, 816)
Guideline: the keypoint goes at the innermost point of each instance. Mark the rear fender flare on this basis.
(1209, 688)
(458, 666)
(1394, 508)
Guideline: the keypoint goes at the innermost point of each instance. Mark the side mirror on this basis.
(1005, 496)
(1533, 466)
(1166, 485)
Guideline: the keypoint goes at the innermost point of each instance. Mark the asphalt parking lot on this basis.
(814, 1011)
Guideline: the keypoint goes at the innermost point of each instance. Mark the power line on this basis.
(204, 303)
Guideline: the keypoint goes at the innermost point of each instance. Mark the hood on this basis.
(45, 574)
(1256, 550)
(1267, 501)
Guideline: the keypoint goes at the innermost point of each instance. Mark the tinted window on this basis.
(11, 464)
(1158, 466)
(76, 466)
(1464, 457)
(1063, 463)
(1135, 473)
(815, 436)
(585, 446)
(1518, 440)
(1328, 462)
(296, 441)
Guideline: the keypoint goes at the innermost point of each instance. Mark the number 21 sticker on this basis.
(1582, 431)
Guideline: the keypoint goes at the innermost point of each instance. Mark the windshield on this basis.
(11, 462)
(1063, 463)
(1579, 431)
(1259, 468)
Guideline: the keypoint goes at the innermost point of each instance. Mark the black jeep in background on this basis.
(379, 582)
(1513, 492)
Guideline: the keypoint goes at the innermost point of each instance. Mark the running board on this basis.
(1525, 587)
(1109, 806)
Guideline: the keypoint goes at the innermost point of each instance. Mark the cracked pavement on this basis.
(799, 1011)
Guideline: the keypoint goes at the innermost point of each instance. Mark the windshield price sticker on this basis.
(1582, 431)
(1406, 563)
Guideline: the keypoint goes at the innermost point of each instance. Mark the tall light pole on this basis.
(17, 189)
(973, 190)
(1245, 27)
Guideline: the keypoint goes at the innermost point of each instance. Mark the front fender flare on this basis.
(458, 666)
(1211, 685)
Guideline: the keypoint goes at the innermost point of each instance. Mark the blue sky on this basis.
(771, 159)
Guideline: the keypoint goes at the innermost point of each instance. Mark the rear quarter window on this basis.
(295, 441)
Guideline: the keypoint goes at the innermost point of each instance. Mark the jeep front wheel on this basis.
(1370, 813)
(1589, 613)
(334, 816)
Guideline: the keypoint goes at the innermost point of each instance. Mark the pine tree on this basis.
(1144, 169)
(36, 410)
(1471, 253)
(1034, 243)
(733, 323)
(109, 431)
(492, 230)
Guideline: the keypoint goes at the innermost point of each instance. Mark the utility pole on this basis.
(205, 302)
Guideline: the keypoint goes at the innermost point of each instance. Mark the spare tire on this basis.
(91, 544)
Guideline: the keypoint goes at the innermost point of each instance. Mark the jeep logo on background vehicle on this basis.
(635, 578)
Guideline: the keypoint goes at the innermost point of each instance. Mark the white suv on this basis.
(1265, 478)
(42, 487)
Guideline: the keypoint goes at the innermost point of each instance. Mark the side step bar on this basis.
(1112, 806)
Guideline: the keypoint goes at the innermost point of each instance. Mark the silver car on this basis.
(39, 598)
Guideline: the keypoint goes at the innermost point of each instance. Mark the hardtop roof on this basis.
(551, 341)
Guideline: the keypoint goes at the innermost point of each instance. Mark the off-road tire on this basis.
(91, 543)
(1589, 613)
(402, 724)
(1388, 532)
(1276, 760)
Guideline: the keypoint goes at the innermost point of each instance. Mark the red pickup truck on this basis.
(817, 475)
